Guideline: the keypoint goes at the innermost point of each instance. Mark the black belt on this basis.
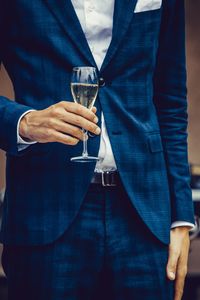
(110, 178)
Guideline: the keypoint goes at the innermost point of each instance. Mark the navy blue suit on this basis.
(144, 104)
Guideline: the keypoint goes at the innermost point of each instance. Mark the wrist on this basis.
(182, 228)
(24, 127)
(181, 231)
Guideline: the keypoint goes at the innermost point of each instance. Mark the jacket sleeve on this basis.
(10, 111)
(170, 98)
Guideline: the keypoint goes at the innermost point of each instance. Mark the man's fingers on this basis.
(179, 285)
(55, 136)
(79, 110)
(81, 122)
(75, 114)
(178, 256)
(66, 128)
(172, 262)
(182, 270)
(180, 277)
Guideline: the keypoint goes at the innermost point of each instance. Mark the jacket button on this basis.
(101, 82)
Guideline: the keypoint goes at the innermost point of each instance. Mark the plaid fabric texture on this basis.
(144, 105)
(107, 253)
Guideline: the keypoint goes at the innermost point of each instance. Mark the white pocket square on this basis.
(146, 5)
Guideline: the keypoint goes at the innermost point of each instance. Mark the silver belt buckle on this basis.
(105, 180)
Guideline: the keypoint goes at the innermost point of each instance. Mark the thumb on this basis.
(172, 263)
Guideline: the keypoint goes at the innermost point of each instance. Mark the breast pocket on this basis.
(147, 5)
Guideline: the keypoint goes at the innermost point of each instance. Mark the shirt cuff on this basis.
(22, 144)
(181, 224)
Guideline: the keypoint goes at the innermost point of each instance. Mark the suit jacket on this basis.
(144, 104)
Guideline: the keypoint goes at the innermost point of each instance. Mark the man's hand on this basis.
(61, 123)
(178, 258)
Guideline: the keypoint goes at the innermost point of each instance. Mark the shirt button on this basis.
(101, 82)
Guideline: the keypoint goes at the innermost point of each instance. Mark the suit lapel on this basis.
(123, 14)
(66, 16)
(64, 12)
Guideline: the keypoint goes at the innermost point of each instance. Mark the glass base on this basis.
(84, 159)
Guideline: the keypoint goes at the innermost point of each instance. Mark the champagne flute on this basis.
(84, 89)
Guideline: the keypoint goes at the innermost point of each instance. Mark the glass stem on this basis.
(85, 151)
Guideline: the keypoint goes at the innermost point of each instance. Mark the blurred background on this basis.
(192, 290)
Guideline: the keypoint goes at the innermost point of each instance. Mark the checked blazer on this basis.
(144, 103)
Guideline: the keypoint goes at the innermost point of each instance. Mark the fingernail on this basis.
(98, 130)
(96, 120)
(171, 275)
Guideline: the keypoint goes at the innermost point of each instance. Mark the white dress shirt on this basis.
(96, 19)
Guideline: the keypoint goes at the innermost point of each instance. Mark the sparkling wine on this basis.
(84, 93)
(84, 89)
